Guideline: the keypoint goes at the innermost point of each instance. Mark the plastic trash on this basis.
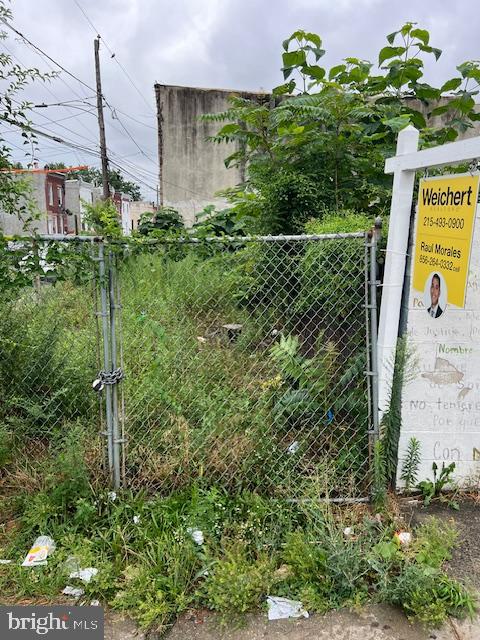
(136, 519)
(76, 592)
(85, 575)
(43, 547)
(197, 535)
(201, 339)
(95, 603)
(348, 532)
(5, 561)
(282, 608)
(294, 447)
(71, 564)
(112, 495)
(404, 538)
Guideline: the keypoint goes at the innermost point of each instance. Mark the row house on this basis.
(122, 203)
(79, 194)
(60, 205)
(48, 194)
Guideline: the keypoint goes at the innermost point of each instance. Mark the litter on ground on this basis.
(196, 534)
(85, 575)
(282, 608)
(75, 592)
(43, 547)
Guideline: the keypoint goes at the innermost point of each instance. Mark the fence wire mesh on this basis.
(246, 366)
(48, 359)
(237, 363)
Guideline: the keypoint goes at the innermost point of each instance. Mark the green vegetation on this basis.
(164, 219)
(323, 144)
(102, 216)
(151, 567)
(256, 418)
(432, 489)
(15, 197)
(244, 381)
(411, 463)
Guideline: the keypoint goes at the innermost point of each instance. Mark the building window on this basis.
(50, 194)
(59, 196)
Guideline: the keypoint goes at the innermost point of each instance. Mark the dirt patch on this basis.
(465, 562)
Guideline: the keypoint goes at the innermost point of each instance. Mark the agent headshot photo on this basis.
(435, 310)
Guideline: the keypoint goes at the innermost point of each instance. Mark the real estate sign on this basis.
(441, 392)
(445, 216)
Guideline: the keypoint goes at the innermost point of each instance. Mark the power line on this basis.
(113, 56)
(39, 50)
(65, 102)
(60, 66)
(94, 152)
(47, 88)
(112, 109)
(55, 122)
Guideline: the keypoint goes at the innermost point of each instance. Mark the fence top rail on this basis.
(191, 240)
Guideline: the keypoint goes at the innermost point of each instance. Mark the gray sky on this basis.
(233, 44)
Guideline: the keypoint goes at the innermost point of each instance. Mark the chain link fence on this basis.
(242, 363)
(246, 365)
(48, 359)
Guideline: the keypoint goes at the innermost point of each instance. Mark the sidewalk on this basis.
(374, 623)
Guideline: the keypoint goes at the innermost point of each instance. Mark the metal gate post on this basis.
(106, 352)
(376, 234)
(116, 440)
(368, 348)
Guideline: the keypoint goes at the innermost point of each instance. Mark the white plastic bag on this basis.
(197, 535)
(43, 547)
(282, 608)
(76, 592)
(85, 575)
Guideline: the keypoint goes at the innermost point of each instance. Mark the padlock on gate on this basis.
(98, 385)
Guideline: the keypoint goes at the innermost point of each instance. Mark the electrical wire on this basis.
(60, 66)
(112, 109)
(113, 56)
(45, 55)
(80, 122)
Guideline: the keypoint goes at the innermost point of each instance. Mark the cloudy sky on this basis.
(233, 44)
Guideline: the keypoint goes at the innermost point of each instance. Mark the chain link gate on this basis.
(244, 363)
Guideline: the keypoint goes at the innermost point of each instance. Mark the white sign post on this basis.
(434, 407)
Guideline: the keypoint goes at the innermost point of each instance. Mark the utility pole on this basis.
(101, 123)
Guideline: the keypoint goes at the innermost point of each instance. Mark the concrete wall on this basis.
(136, 210)
(192, 169)
(78, 192)
(442, 120)
(12, 225)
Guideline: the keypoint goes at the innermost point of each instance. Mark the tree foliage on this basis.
(164, 219)
(14, 190)
(323, 144)
(103, 217)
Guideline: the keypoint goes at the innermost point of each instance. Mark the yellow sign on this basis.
(445, 218)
